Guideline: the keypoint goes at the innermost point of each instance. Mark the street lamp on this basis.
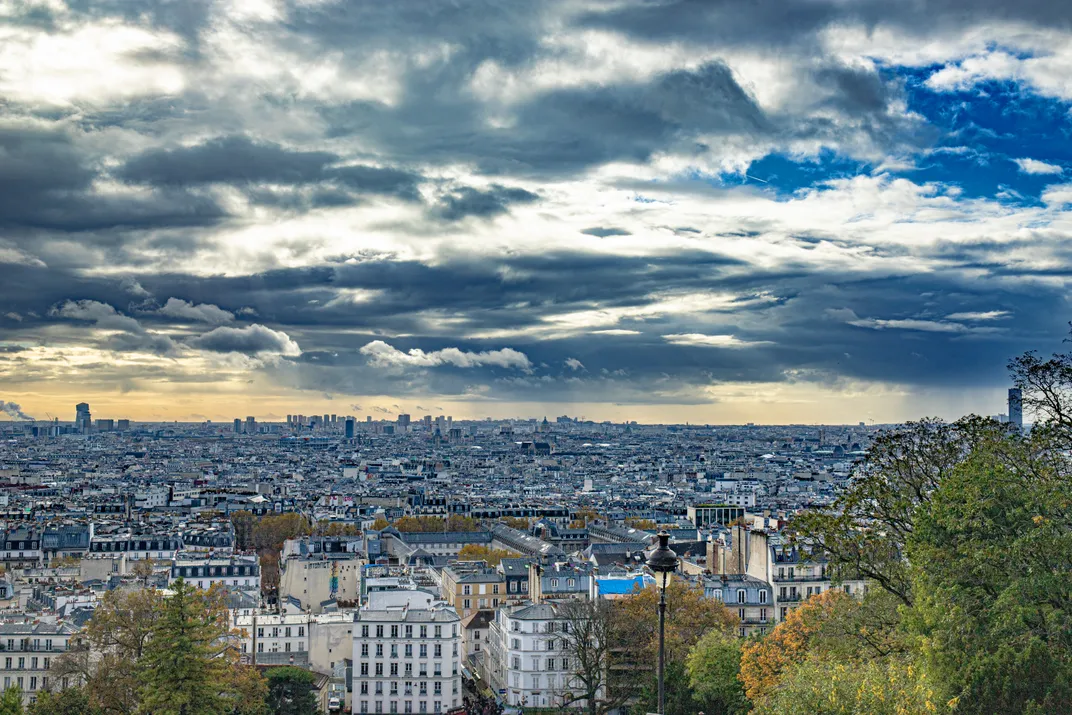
(663, 562)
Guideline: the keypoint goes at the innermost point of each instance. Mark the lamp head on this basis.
(663, 560)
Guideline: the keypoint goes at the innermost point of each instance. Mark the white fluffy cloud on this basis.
(253, 339)
(1034, 166)
(381, 354)
(202, 313)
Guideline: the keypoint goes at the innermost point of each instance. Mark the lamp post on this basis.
(663, 561)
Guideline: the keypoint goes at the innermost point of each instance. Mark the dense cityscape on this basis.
(556, 357)
(524, 515)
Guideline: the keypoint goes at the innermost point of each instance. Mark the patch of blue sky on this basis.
(984, 130)
(981, 133)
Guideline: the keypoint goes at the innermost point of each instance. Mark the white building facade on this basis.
(406, 654)
(529, 658)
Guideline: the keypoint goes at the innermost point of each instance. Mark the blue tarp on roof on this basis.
(621, 586)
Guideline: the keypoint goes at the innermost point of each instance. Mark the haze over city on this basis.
(669, 212)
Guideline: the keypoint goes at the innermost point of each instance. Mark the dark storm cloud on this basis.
(46, 183)
(493, 201)
(242, 161)
(776, 23)
(235, 159)
(563, 131)
(605, 231)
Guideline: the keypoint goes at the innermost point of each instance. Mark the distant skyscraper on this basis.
(251, 425)
(82, 418)
(349, 428)
(290, 418)
(1016, 407)
(122, 425)
(368, 418)
(237, 425)
(403, 420)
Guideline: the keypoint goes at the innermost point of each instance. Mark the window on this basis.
(409, 650)
(287, 634)
(742, 595)
(517, 663)
(379, 669)
(762, 596)
(379, 650)
(409, 669)
(409, 631)
(394, 650)
(740, 613)
(466, 604)
(554, 583)
(364, 631)
(379, 631)
(467, 590)
(438, 651)
(439, 631)
(424, 650)
(424, 634)
(364, 688)
(394, 673)
(364, 650)
(394, 631)
(550, 663)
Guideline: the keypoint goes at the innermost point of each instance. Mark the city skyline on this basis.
(664, 212)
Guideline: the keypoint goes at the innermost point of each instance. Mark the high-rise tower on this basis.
(1016, 407)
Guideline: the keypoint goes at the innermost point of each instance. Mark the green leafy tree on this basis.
(290, 691)
(71, 701)
(713, 666)
(11, 702)
(183, 669)
(990, 557)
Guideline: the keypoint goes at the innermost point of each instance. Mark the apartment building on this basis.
(26, 654)
(470, 586)
(238, 573)
(528, 659)
(406, 654)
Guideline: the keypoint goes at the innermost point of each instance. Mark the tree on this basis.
(11, 702)
(114, 640)
(584, 515)
(71, 701)
(713, 666)
(1047, 388)
(689, 615)
(818, 686)
(379, 524)
(865, 531)
(518, 523)
(637, 523)
(143, 569)
(990, 559)
(765, 661)
(188, 665)
(478, 552)
(290, 691)
(588, 637)
(243, 522)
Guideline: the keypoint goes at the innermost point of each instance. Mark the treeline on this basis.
(429, 524)
(266, 535)
(143, 652)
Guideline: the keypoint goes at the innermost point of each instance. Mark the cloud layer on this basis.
(702, 210)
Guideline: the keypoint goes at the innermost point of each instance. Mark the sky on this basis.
(813, 211)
